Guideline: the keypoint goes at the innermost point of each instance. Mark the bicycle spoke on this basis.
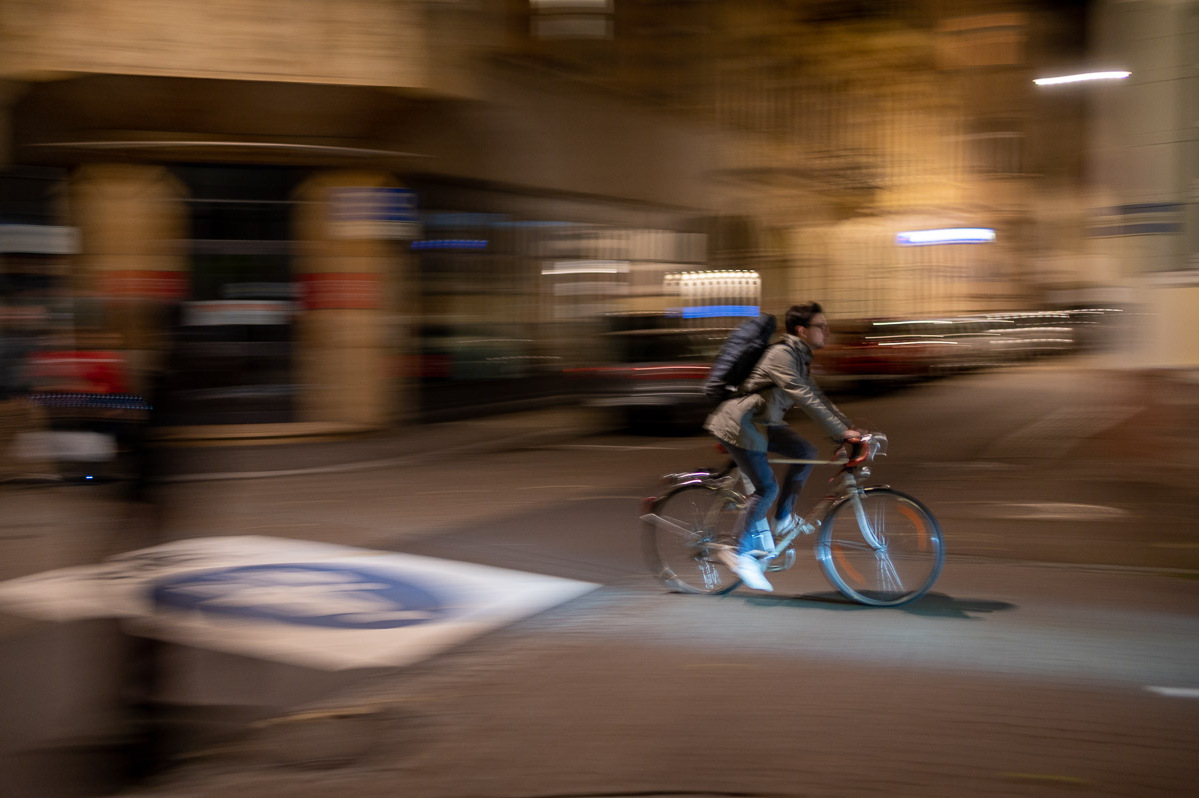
(878, 525)
(855, 546)
(670, 525)
(679, 531)
(888, 576)
(865, 523)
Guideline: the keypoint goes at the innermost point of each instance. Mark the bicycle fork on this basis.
(875, 537)
(872, 540)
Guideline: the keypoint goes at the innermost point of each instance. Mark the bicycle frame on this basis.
(847, 485)
(876, 545)
(805, 527)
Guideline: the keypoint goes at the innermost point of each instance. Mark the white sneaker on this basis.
(725, 555)
(786, 525)
(749, 568)
(746, 566)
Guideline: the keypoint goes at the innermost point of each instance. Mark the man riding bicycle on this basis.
(751, 425)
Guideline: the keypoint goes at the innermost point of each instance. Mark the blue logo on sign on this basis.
(338, 596)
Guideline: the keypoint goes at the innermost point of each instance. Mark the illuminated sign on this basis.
(587, 267)
(373, 212)
(716, 311)
(950, 235)
(449, 243)
(342, 291)
(714, 294)
(1084, 76)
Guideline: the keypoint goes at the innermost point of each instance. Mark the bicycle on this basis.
(876, 546)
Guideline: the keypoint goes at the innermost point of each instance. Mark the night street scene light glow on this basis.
(950, 235)
(1084, 76)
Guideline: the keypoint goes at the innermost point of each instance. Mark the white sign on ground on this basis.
(313, 604)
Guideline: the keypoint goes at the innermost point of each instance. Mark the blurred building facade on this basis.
(362, 197)
(318, 181)
(1143, 186)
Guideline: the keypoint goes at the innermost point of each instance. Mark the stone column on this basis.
(133, 249)
(347, 333)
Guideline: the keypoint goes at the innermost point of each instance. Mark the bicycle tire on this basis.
(676, 533)
(907, 565)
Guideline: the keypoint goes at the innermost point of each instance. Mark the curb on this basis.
(514, 440)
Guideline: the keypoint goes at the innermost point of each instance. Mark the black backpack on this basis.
(737, 357)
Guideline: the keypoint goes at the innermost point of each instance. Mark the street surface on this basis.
(1057, 653)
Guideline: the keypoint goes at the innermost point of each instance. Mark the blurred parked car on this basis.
(1026, 336)
(871, 354)
(866, 355)
(655, 377)
(462, 369)
(466, 352)
(1094, 328)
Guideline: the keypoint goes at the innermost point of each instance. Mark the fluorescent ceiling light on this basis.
(587, 267)
(950, 235)
(1086, 76)
(911, 321)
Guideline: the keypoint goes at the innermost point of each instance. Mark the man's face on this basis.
(816, 333)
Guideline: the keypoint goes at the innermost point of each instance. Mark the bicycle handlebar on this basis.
(859, 450)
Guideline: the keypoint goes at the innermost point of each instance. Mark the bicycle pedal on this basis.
(782, 562)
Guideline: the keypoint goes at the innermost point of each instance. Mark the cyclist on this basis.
(751, 424)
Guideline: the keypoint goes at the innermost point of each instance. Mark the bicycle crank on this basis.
(784, 562)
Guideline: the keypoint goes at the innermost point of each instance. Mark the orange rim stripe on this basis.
(922, 539)
(844, 566)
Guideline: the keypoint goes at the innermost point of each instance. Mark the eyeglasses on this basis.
(818, 326)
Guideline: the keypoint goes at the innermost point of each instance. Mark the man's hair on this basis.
(801, 315)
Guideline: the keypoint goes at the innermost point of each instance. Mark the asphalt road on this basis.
(1056, 653)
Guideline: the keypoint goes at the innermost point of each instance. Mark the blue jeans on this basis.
(781, 440)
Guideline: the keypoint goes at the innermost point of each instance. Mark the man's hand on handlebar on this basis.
(854, 445)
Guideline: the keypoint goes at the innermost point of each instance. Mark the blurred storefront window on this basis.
(237, 323)
(514, 289)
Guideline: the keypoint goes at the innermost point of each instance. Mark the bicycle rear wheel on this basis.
(677, 533)
(888, 553)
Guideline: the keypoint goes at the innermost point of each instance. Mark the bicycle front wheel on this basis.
(880, 547)
(677, 534)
